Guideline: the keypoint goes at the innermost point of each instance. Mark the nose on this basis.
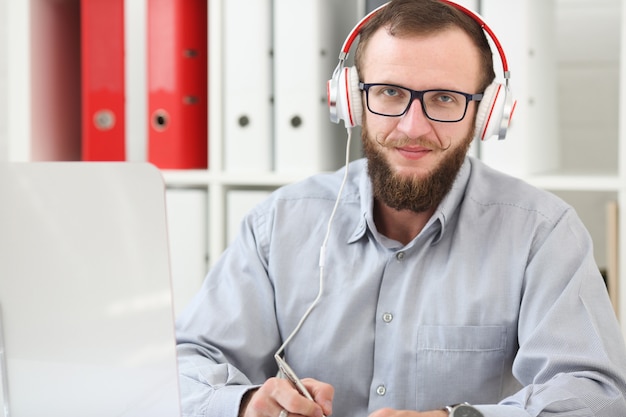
(414, 122)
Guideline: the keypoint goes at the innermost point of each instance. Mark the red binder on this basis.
(177, 84)
(102, 66)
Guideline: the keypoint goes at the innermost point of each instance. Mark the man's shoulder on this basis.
(488, 187)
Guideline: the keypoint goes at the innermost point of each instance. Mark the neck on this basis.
(399, 225)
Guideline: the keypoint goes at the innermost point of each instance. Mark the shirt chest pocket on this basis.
(454, 363)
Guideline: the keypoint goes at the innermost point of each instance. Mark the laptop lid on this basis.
(85, 293)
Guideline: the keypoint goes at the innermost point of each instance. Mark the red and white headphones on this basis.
(494, 111)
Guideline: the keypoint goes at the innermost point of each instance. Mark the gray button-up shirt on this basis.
(498, 302)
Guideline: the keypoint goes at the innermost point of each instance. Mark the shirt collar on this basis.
(440, 217)
(366, 201)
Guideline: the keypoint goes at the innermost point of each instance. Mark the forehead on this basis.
(445, 59)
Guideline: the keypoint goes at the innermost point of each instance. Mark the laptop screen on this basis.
(85, 293)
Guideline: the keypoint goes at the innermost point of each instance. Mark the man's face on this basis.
(413, 160)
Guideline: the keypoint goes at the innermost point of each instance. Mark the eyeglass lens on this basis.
(439, 105)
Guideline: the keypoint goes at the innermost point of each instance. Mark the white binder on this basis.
(247, 88)
(187, 225)
(525, 30)
(307, 38)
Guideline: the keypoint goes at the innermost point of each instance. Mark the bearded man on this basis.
(442, 287)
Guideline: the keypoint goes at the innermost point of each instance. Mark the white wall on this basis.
(3, 82)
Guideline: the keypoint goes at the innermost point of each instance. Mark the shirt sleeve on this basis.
(571, 358)
(226, 337)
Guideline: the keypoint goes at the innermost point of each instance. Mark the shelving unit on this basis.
(568, 135)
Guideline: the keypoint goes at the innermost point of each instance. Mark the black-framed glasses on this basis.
(438, 105)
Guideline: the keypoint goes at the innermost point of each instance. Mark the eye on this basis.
(385, 91)
(390, 91)
(445, 97)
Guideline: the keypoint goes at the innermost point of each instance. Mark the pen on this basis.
(287, 372)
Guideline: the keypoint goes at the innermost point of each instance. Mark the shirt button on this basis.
(400, 256)
(387, 317)
(381, 390)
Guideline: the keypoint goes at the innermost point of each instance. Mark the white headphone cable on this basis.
(322, 260)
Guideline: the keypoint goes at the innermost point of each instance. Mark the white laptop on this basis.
(85, 293)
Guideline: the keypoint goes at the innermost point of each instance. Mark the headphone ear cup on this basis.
(489, 115)
(348, 105)
(355, 98)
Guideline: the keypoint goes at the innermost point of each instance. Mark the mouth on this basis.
(413, 152)
(414, 148)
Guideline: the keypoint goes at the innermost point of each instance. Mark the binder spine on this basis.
(102, 83)
(177, 84)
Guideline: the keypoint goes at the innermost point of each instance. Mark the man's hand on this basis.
(277, 394)
(388, 412)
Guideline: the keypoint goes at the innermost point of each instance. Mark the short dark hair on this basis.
(423, 17)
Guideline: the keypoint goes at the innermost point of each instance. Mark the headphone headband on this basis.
(347, 44)
(488, 31)
(354, 33)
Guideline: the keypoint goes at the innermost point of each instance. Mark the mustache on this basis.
(407, 141)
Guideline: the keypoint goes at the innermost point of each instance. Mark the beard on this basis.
(417, 194)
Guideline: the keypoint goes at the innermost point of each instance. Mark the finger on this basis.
(297, 405)
(322, 393)
(290, 399)
(269, 399)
